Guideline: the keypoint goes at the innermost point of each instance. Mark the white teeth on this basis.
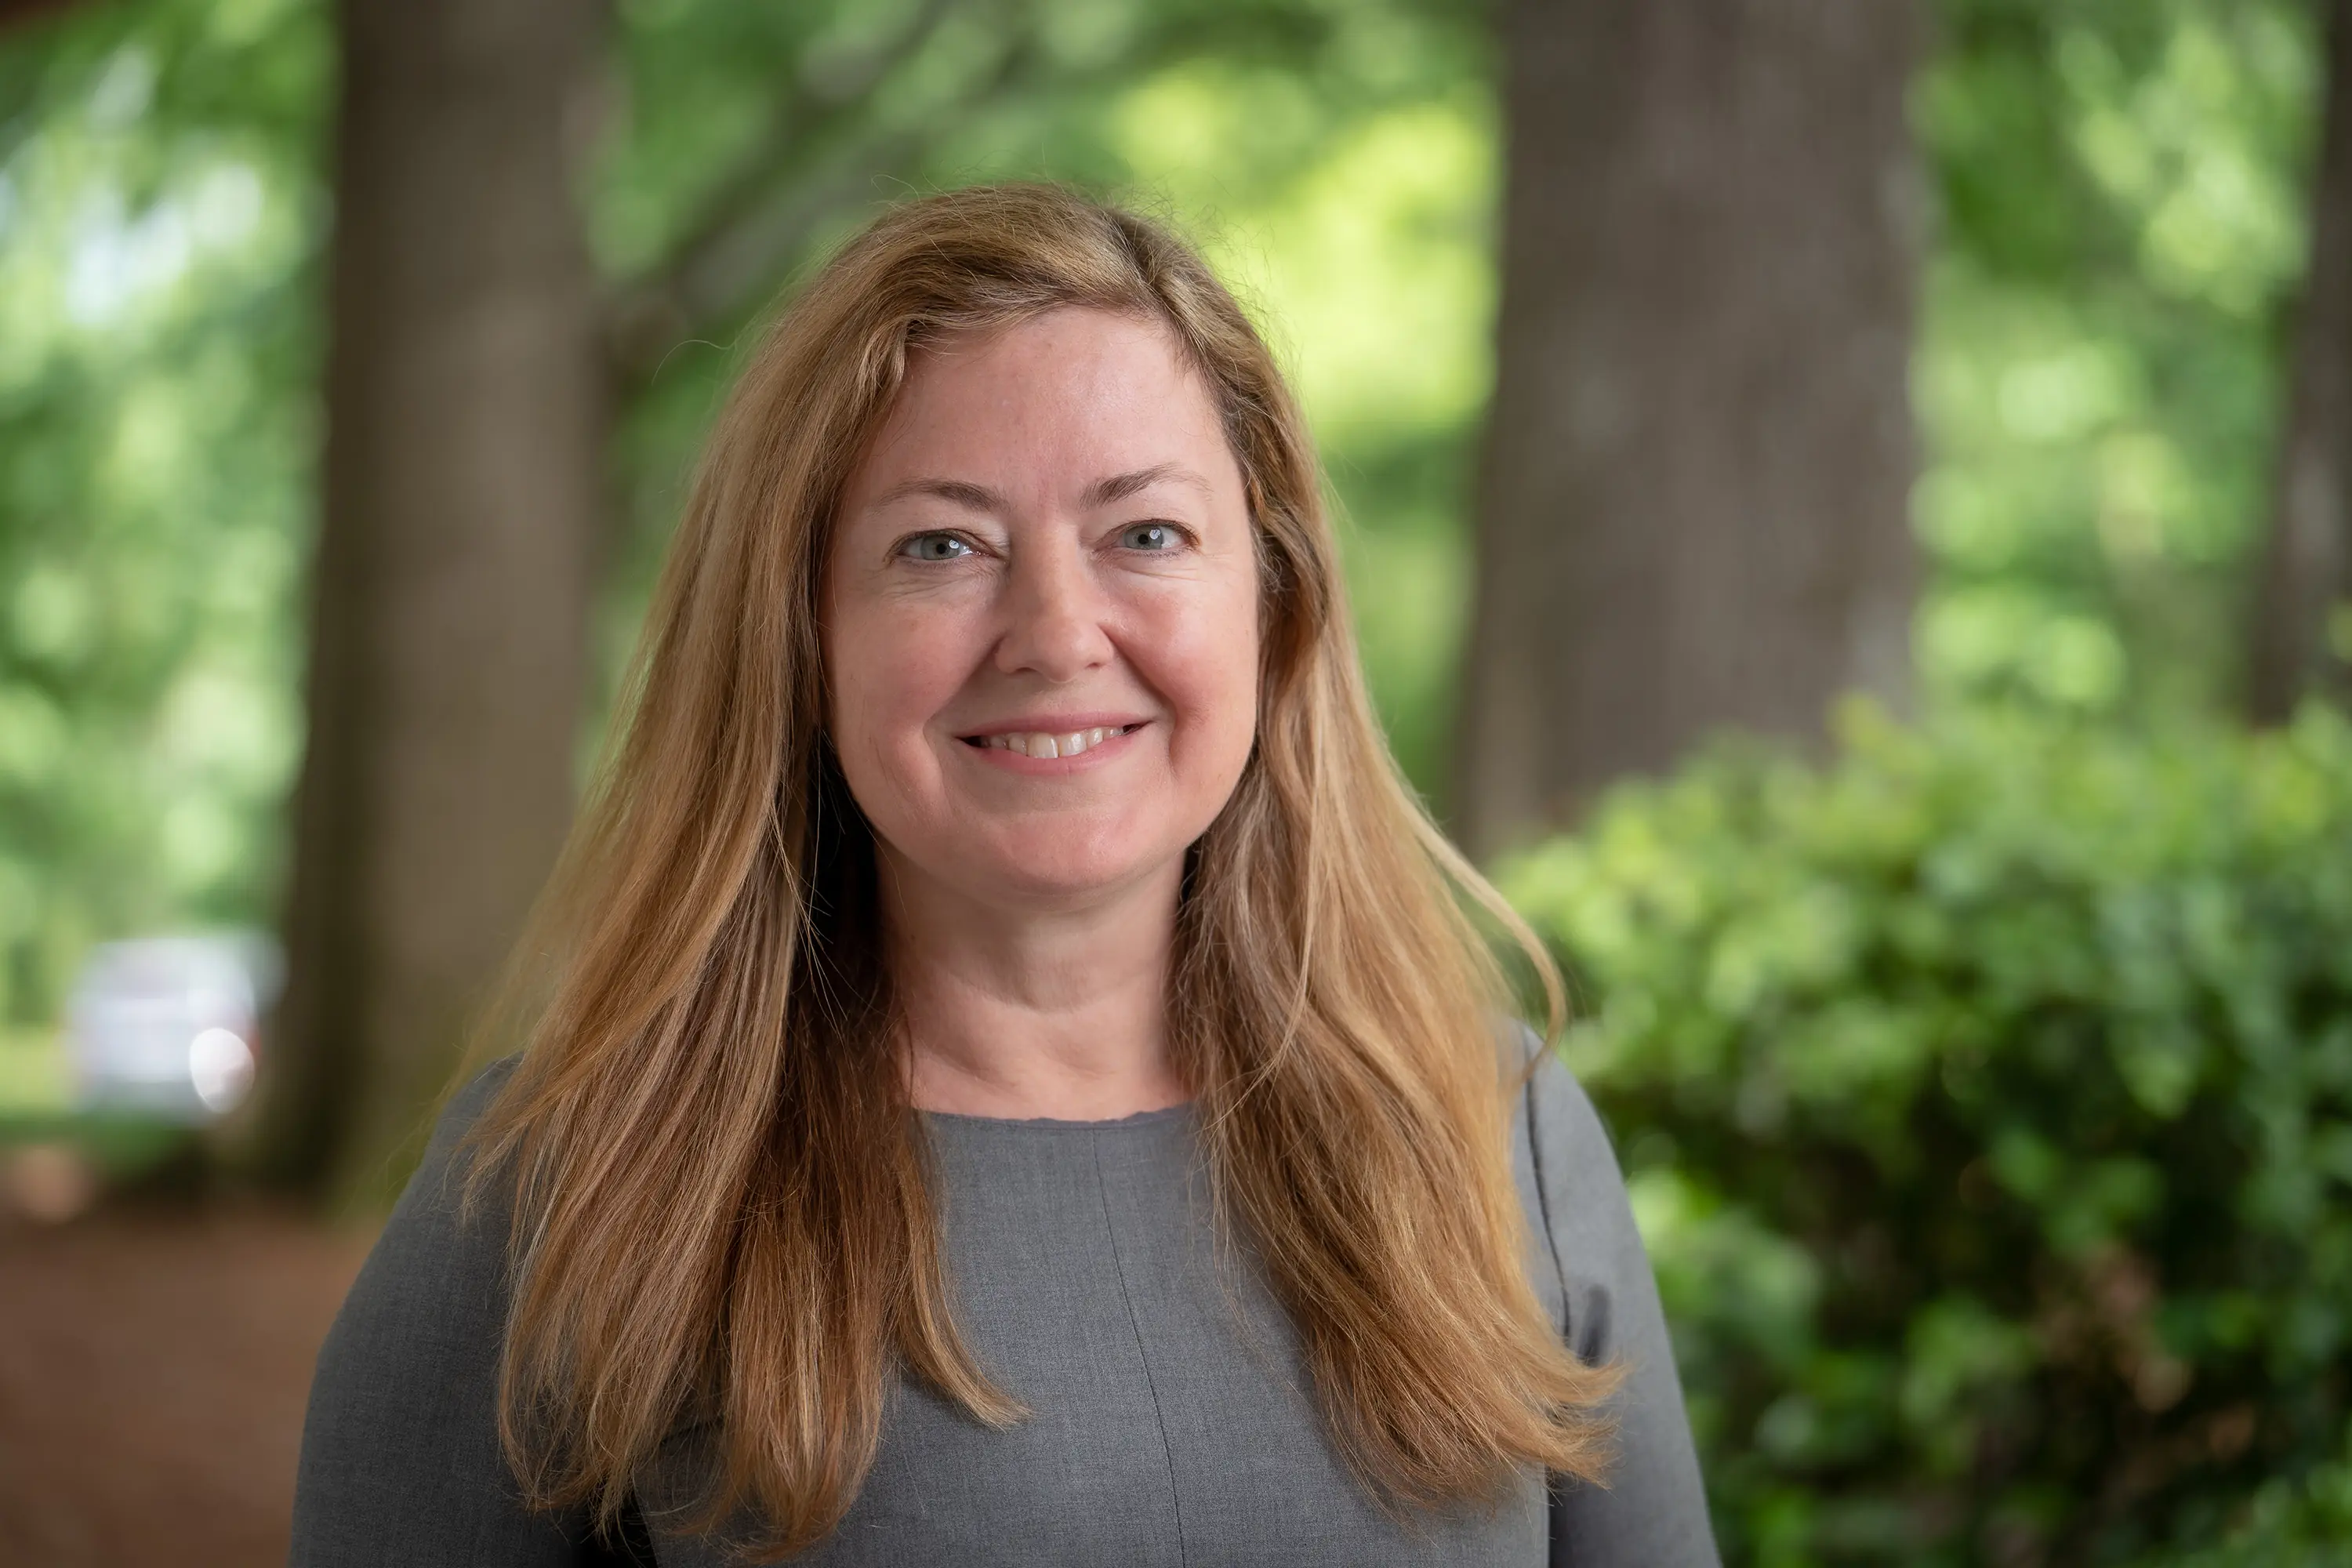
(1044, 746)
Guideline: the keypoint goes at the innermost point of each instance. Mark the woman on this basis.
(1008, 1078)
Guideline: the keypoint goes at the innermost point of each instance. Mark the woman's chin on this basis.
(1063, 876)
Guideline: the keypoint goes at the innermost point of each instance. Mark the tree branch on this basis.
(670, 298)
(768, 208)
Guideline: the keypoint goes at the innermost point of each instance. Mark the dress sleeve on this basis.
(401, 1461)
(1652, 1512)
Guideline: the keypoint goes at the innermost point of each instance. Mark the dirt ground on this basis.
(152, 1373)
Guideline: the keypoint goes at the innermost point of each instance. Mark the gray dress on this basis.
(1172, 1422)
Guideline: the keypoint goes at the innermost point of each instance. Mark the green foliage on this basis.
(2122, 189)
(157, 219)
(1986, 1097)
(2300, 1523)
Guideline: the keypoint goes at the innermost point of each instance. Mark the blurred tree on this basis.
(2302, 615)
(464, 438)
(1692, 507)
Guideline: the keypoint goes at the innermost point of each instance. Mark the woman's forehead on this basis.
(1098, 404)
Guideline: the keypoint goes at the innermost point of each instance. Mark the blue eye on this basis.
(935, 547)
(1152, 536)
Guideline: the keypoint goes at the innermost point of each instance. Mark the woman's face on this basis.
(1041, 614)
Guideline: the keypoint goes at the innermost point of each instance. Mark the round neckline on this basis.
(1180, 1111)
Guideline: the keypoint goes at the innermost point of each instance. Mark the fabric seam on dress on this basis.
(1543, 1210)
(1151, 1384)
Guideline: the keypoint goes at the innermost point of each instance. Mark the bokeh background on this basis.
(1848, 511)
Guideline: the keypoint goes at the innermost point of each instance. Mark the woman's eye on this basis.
(1151, 536)
(935, 547)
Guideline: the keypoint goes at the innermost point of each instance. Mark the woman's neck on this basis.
(1027, 1011)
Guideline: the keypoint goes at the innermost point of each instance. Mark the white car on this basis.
(169, 1025)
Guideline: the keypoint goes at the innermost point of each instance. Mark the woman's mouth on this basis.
(1045, 743)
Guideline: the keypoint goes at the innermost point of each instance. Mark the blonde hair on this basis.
(720, 1201)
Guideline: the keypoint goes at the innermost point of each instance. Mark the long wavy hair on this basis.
(720, 1208)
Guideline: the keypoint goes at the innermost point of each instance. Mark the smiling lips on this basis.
(1040, 743)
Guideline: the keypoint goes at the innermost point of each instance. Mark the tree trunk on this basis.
(463, 481)
(2306, 573)
(1694, 505)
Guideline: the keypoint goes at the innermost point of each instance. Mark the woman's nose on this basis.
(1054, 617)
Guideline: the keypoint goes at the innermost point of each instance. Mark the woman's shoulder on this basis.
(438, 1266)
(441, 1180)
(1559, 1124)
(1595, 1277)
(465, 1107)
(402, 1460)
(1591, 1256)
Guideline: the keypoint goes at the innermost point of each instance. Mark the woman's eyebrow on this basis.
(963, 492)
(1119, 487)
(1102, 492)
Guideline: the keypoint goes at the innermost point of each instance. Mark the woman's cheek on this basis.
(1207, 669)
(915, 669)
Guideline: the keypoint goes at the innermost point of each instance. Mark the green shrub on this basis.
(2287, 1524)
(1986, 1096)
(2306, 1523)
